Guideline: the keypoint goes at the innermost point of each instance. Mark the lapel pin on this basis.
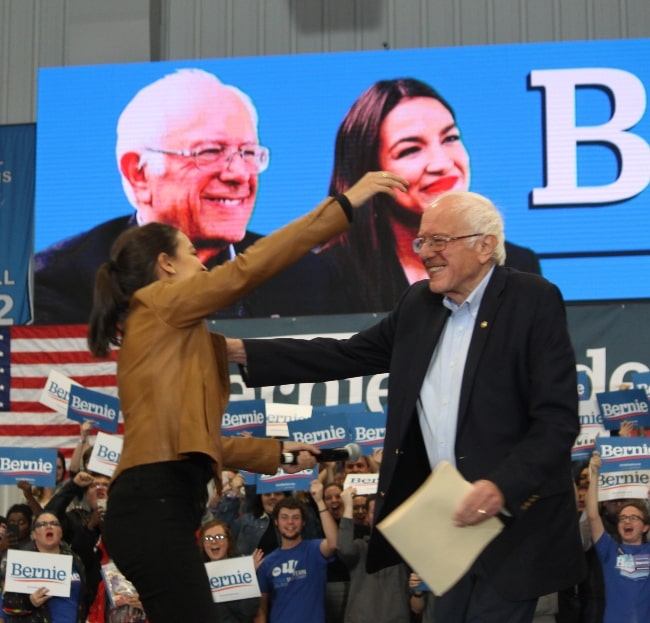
(483, 324)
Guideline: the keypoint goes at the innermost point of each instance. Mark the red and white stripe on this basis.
(33, 353)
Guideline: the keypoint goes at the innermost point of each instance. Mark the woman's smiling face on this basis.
(420, 141)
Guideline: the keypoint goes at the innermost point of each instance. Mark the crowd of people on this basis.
(482, 374)
(309, 550)
(68, 522)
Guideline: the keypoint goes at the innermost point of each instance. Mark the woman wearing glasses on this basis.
(39, 606)
(406, 127)
(626, 560)
(217, 543)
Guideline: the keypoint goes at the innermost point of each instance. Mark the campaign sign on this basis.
(279, 413)
(368, 430)
(282, 481)
(625, 470)
(56, 393)
(232, 578)
(244, 418)
(625, 404)
(323, 431)
(641, 380)
(106, 454)
(29, 571)
(584, 385)
(365, 484)
(35, 465)
(91, 406)
(346, 407)
(591, 427)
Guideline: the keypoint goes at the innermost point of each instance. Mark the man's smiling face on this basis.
(207, 204)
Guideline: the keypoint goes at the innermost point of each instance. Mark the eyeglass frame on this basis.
(209, 538)
(230, 151)
(420, 241)
(632, 518)
(47, 524)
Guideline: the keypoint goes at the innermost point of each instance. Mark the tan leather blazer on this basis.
(173, 374)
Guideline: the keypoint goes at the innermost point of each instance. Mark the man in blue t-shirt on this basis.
(292, 578)
(626, 560)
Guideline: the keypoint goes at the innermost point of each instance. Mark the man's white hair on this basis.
(155, 107)
(480, 215)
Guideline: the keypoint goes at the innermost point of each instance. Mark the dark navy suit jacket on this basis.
(517, 417)
(64, 277)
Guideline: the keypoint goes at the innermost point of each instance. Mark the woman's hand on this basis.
(594, 464)
(316, 490)
(39, 597)
(258, 557)
(375, 182)
(346, 498)
(626, 429)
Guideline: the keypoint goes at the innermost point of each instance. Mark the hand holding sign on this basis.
(39, 596)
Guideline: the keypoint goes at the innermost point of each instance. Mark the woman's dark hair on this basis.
(257, 507)
(232, 543)
(132, 265)
(60, 456)
(356, 152)
(576, 468)
(357, 141)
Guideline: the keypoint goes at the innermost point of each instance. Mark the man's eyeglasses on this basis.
(99, 485)
(214, 537)
(632, 518)
(359, 507)
(437, 243)
(254, 157)
(47, 524)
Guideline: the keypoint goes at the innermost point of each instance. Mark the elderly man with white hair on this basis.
(189, 155)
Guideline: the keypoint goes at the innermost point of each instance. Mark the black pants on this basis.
(474, 600)
(149, 531)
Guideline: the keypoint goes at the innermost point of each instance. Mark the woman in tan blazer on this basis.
(152, 297)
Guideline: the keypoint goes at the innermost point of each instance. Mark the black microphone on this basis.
(349, 452)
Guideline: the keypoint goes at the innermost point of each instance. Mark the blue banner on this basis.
(282, 481)
(35, 465)
(323, 429)
(621, 405)
(625, 469)
(641, 380)
(244, 418)
(556, 134)
(87, 405)
(368, 430)
(17, 163)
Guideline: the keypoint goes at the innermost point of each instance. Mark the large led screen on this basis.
(556, 135)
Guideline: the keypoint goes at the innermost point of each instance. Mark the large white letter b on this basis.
(562, 135)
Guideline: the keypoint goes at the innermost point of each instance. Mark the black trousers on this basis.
(474, 600)
(149, 531)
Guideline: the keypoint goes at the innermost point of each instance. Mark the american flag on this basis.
(27, 355)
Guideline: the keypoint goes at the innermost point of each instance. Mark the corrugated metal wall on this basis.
(43, 33)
